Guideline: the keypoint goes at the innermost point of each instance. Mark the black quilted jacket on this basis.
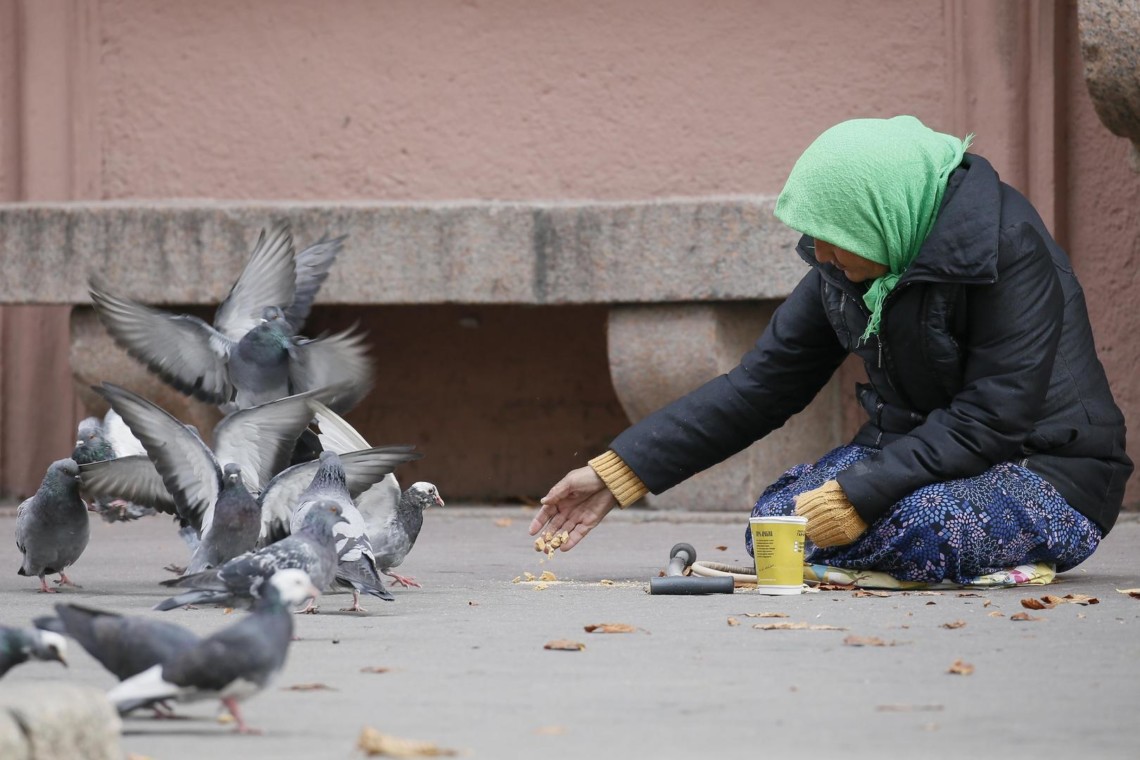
(985, 356)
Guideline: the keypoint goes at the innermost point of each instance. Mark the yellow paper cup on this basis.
(778, 548)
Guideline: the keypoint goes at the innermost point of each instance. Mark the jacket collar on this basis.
(963, 243)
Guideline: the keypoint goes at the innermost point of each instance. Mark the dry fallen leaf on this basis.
(1024, 616)
(909, 708)
(372, 742)
(611, 628)
(1132, 592)
(540, 587)
(795, 627)
(528, 577)
(606, 582)
(995, 613)
(1081, 599)
(960, 668)
(766, 614)
(504, 522)
(867, 592)
(987, 603)
(930, 603)
(550, 730)
(955, 624)
(374, 669)
(966, 593)
(308, 687)
(228, 611)
(866, 641)
(1036, 604)
(722, 548)
(733, 621)
(547, 576)
(834, 586)
(928, 593)
(564, 645)
(225, 718)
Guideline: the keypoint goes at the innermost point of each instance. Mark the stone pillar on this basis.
(658, 353)
(56, 719)
(1110, 47)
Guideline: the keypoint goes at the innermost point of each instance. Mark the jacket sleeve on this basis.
(791, 362)
(1014, 327)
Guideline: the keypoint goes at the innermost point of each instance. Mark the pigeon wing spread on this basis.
(268, 279)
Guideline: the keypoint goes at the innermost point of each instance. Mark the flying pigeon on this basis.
(392, 519)
(357, 567)
(19, 645)
(232, 664)
(52, 528)
(208, 488)
(100, 440)
(253, 353)
(312, 549)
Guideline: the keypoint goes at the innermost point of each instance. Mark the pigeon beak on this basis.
(439, 500)
(80, 442)
(63, 661)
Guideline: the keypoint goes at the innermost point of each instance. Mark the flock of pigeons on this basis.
(286, 501)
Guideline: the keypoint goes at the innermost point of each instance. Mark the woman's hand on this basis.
(575, 504)
(831, 520)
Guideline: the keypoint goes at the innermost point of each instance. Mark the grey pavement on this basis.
(466, 667)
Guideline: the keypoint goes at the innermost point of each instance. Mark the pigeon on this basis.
(392, 519)
(100, 440)
(312, 549)
(52, 528)
(124, 645)
(208, 488)
(18, 645)
(232, 664)
(357, 564)
(253, 353)
(396, 537)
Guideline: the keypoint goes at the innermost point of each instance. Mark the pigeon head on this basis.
(321, 517)
(330, 475)
(423, 495)
(231, 475)
(90, 444)
(291, 587)
(62, 477)
(48, 645)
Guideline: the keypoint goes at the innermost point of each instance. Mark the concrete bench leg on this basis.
(658, 353)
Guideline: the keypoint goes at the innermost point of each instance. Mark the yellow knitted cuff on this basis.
(832, 520)
(622, 481)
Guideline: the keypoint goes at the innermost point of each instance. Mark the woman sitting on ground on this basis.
(993, 439)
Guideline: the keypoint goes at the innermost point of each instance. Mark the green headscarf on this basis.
(872, 187)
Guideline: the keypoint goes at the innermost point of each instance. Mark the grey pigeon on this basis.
(208, 488)
(52, 528)
(19, 645)
(124, 645)
(357, 565)
(312, 549)
(392, 519)
(253, 353)
(396, 537)
(232, 664)
(99, 440)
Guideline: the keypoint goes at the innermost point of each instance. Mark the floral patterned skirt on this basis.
(953, 531)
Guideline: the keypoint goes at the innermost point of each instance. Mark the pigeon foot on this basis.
(63, 580)
(310, 609)
(46, 589)
(242, 728)
(355, 604)
(176, 569)
(406, 581)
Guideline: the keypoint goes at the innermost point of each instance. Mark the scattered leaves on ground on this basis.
(611, 628)
(961, 594)
(867, 641)
(766, 614)
(867, 592)
(504, 522)
(954, 624)
(375, 669)
(371, 742)
(733, 621)
(961, 668)
(834, 586)
(547, 576)
(1132, 592)
(1049, 601)
(564, 645)
(540, 587)
(909, 708)
(308, 687)
(928, 593)
(1025, 617)
(795, 627)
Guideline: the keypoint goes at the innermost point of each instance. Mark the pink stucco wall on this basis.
(618, 99)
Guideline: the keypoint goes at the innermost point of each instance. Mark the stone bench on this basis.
(688, 284)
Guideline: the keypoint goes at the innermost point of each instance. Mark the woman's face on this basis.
(856, 268)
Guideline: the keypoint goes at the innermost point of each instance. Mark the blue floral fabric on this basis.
(952, 531)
